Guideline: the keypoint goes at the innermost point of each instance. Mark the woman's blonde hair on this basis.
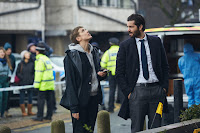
(7, 58)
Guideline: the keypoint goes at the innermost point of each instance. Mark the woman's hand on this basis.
(102, 73)
(75, 115)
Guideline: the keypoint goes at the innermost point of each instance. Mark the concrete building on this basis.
(23, 21)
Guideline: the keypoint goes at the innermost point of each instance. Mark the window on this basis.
(107, 3)
(20, 0)
(100, 3)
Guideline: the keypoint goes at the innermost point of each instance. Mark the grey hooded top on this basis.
(94, 81)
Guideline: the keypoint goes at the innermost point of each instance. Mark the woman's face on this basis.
(2, 54)
(27, 55)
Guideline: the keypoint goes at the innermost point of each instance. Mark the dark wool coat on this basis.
(127, 69)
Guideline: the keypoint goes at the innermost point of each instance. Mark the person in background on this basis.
(5, 71)
(31, 47)
(189, 65)
(142, 73)
(25, 72)
(48, 52)
(82, 69)
(44, 81)
(95, 44)
(108, 62)
(8, 49)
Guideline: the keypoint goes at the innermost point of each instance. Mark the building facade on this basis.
(24, 21)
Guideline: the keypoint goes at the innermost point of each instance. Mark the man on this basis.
(142, 74)
(8, 48)
(44, 81)
(108, 62)
(83, 75)
(189, 66)
(31, 47)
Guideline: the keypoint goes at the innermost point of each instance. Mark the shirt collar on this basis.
(138, 39)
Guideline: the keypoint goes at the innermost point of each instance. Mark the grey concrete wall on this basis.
(66, 15)
(21, 43)
(28, 20)
(58, 43)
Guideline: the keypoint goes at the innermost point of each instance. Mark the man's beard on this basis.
(137, 33)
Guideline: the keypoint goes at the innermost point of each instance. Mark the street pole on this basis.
(178, 99)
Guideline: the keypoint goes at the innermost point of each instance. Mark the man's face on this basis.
(133, 30)
(84, 35)
(8, 51)
(33, 49)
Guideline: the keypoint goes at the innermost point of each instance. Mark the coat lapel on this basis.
(152, 51)
(134, 51)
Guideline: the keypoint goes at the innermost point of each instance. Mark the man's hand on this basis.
(165, 90)
(129, 95)
(75, 115)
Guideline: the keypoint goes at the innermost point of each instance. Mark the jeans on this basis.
(3, 95)
(29, 94)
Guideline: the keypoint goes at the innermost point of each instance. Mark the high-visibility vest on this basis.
(44, 79)
(108, 60)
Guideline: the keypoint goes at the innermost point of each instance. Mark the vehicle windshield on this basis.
(58, 61)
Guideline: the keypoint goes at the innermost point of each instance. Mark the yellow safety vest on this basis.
(108, 60)
(44, 79)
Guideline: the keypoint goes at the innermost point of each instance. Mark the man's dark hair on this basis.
(74, 34)
(139, 20)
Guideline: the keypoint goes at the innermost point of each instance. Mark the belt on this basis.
(147, 84)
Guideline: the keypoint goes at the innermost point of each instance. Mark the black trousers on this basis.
(87, 117)
(112, 89)
(144, 101)
(42, 96)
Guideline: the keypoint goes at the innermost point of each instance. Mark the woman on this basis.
(25, 72)
(83, 92)
(5, 67)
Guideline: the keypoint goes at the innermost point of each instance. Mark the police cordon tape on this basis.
(12, 88)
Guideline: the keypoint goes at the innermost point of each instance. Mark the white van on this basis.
(173, 39)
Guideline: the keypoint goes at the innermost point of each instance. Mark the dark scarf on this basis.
(3, 61)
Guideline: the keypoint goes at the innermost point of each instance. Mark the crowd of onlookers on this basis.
(25, 75)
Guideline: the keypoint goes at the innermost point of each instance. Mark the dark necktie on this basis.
(144, 61)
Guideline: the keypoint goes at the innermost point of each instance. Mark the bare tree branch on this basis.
(173, 9)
